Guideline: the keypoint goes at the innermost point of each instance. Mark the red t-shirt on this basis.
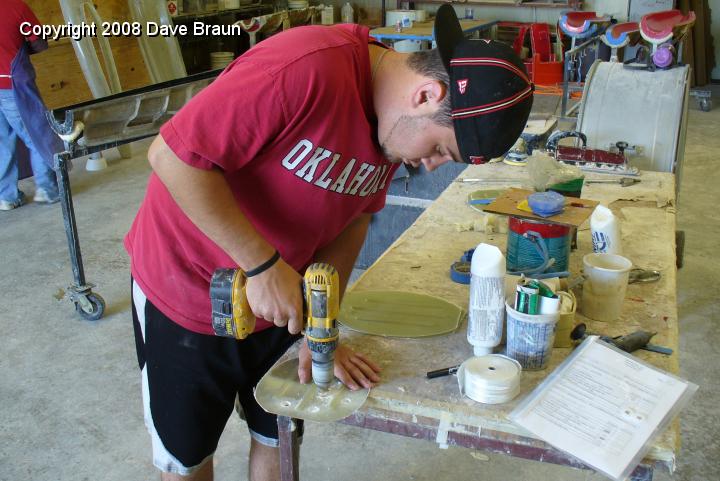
(14, 13)
(292, 126)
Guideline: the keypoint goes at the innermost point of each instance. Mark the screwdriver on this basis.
(624, 182)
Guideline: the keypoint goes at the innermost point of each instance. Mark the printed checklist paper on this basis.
(604, 407)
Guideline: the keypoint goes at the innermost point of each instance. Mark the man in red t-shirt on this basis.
(22, 112)
(277, 164)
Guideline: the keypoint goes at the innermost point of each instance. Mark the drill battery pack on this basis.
(231, 313)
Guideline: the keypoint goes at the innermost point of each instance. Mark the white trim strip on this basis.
(407, 201)
(480, 110)
(162, 459)
(489, 61)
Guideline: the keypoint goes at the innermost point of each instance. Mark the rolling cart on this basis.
(101, 124)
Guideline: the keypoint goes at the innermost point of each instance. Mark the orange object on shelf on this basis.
(543, 67)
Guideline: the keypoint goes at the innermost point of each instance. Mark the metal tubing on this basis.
(289, 449)
(566, 72)
(68, 211)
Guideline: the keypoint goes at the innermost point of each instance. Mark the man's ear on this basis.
(429, 93)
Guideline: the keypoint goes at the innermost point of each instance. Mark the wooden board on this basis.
(573, 215)
(61, 81)
(59, 77)
(49, 12)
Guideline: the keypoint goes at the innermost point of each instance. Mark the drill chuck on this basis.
(323, 369)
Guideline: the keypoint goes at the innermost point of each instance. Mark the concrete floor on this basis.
(70, 389)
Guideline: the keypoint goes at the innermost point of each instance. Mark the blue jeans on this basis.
(12, 127)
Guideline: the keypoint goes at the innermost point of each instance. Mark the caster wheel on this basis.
(95, 310)
(705, 105)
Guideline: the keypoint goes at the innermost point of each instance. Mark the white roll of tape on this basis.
(490, 379)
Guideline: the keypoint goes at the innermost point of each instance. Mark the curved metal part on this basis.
(660, 27)
(558, 135)
(621, 34)
(280, 392)
(63, 126)
(582, 24)
(638, 275)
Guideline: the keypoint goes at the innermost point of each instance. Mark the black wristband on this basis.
(264, 266)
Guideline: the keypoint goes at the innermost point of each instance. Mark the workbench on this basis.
(426, 30)
(407, 403)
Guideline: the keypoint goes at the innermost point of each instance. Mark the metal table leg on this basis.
(88, 304)
(289, 449)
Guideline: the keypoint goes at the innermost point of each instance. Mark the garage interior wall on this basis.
(61, 81)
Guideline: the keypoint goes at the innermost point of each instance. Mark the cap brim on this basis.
(448, 33)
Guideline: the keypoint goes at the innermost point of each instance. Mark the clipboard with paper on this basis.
(604, 407)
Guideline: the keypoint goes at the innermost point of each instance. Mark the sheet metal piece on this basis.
(398, 314)
(280, 392)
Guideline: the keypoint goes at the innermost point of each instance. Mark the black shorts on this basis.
(191, 383)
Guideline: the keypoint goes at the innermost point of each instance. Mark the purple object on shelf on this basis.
(663, 56)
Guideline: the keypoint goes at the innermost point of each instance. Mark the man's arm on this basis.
(352, 368)
(35, 43)
(37, 46)
(205, 197)
(342, 252)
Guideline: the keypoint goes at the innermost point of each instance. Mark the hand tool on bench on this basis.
(628, 343)
(623, 181)
(612, 161)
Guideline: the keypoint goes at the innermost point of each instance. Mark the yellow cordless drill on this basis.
(321, 287)
(232, 316)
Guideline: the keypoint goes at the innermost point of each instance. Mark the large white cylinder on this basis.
(486, 311)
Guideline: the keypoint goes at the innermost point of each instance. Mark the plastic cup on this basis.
(530, 337)
(605, 285)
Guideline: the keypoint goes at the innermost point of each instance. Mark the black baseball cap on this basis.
(490, 91)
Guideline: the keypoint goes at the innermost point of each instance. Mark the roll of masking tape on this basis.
(490, 379)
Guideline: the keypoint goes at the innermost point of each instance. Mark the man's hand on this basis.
(352, 368)
(275, 295)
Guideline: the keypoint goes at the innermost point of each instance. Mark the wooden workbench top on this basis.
(419, 262)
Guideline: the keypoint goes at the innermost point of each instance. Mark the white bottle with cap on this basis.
(605, 231)
(347, 13)
(486, 311)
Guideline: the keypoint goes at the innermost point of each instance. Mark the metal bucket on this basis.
(523, 253)
(643, 108)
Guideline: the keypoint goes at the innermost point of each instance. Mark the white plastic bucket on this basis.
(605, 285)
(530, 337)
